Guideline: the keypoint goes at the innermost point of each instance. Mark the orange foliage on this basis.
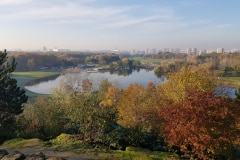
(202, 124)
(138, 107)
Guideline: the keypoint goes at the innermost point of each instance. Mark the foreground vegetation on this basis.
(188, 119)
(188, 115)
(65, 142)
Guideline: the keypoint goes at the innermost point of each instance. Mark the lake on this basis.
(141, 77)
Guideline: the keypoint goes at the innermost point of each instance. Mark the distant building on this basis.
(201, 52)
(59, 50)
(220, 50)
(234, 50)
(189, 51)
(177, 50)
(44, 49)
(194, 51)
(166, 50)
(154, 51)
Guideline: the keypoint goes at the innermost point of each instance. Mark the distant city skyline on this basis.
(119, 24)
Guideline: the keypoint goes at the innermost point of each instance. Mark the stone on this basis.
(56, 158)
(3, 153)
(37, 156)
(16, 155)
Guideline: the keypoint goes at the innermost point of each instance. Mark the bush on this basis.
(68, 141)
(121, 138)
(42, 119)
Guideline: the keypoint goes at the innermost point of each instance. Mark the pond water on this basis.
(140, 77)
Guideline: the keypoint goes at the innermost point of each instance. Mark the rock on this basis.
(37, 156)
(16, 155)
(3, 153)
(56, 158)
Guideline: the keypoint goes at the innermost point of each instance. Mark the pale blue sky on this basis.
(119, 24)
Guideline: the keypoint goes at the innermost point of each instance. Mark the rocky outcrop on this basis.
(16, 155)
(3, 153)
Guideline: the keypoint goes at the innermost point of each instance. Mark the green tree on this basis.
(85, 112)
(11, 96)
(43, 119)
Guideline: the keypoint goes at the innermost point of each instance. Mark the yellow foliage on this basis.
(174, 89)
(110, 97)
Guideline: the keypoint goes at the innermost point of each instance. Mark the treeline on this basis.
(185, 115)
(227, 64)
(102, 59)
(41, 61)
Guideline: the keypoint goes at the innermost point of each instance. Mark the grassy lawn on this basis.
(24, 77)
(150, 60)
(232, 81)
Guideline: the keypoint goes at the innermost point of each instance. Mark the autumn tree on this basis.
(202, 125)
(174, 90)
(138, 107)
(103, 88)
(86, 111)
(109, 97)
(73, 80)
(43, 118)
(108, 94)
(11, 96)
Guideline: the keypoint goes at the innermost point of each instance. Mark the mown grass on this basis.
(20, 142)
(232, 81)
(144, 154)
(151, 60)
(24, 77)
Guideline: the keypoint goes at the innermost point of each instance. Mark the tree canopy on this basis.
(11, 96)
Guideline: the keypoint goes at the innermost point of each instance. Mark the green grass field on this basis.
(232, 81)
(150, 60)
(24, 77)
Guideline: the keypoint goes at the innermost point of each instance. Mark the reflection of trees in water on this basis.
(44, 79)
(158, 74)
(123, 72)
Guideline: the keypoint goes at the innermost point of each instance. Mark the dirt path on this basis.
(48, 152)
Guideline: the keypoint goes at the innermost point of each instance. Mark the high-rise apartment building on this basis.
(220, 50)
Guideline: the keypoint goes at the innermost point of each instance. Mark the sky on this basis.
(119, 24)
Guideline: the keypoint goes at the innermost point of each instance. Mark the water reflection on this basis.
(124, 72)
(228, 91)
(121, 79)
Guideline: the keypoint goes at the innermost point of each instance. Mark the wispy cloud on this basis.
(69, 10)
(223, 26)
(107, 17)
(14, 2)
(188, 3)
(128, 21)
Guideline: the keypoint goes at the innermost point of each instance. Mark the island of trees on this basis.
(187, 115)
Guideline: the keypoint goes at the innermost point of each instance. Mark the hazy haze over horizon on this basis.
(119, 24)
